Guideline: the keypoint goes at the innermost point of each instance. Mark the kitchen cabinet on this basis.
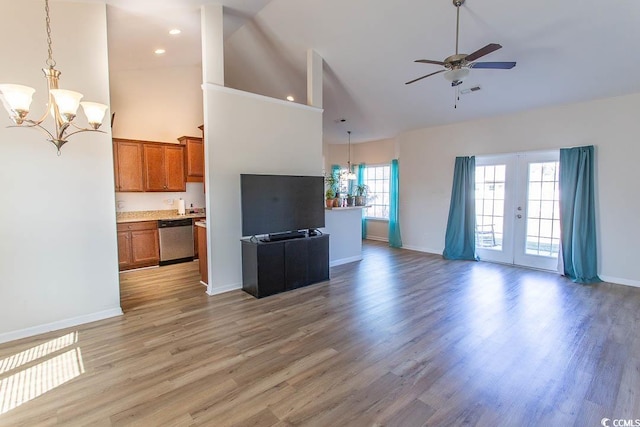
(127, 163)
(138, 245)
(163, 167)
(195, 236)
(194, 158)
(202, 260)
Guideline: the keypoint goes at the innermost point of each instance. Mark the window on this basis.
(377, 179)
(543, 209)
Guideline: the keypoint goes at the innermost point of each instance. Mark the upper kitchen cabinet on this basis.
(127, 162)
(194, 158)
(163, 167)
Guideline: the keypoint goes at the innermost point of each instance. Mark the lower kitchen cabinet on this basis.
(138, 245)
(195, 237)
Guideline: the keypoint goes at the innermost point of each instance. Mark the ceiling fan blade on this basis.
(491, 47)
(429, 61)
(424, 77)
(493, 65)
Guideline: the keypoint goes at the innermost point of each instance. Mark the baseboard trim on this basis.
(60, 324)
(608, 279)
(211, 291)
(342, 261)
(619, 281)
(422, 249)
(377, 238)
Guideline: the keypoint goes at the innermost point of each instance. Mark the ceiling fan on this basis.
(456, 67)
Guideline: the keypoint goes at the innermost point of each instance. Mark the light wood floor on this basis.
(399, 339)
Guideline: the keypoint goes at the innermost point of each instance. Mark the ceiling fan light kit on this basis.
(457, 66)
(456, 76)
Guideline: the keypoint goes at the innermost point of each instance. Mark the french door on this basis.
(517, 209)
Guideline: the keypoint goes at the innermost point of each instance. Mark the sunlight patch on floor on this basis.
(34, 353)
(38, 379)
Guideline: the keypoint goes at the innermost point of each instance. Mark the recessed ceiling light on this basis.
(290, 98)
(174, 32)
(159, 51)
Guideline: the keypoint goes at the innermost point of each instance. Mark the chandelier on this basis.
(62, 104)
(348, 174)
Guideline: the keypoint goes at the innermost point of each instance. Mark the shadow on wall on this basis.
(265, 69)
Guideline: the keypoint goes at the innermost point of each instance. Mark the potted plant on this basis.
(330, 195)
(333, 184)
(361, 194)
(350, 200)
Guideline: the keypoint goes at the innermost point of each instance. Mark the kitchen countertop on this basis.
(202, 224)
(346, 208)
(137, 216)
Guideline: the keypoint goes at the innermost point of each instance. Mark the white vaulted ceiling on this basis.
(565, 51)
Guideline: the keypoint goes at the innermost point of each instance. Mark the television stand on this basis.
(277, 266)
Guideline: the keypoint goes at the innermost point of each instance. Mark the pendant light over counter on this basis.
(350, 175)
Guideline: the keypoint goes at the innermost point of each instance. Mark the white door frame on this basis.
(513, 249)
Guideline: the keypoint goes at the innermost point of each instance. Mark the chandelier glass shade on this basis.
(62, 104)
(457, 74)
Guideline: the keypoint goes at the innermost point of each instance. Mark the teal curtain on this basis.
(361, 169)
(460, 238)
(577, 215)
(335, 172)
(395, 240)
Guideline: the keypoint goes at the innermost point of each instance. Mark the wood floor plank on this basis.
(399, 339)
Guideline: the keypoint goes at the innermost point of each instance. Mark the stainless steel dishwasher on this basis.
(176, 241)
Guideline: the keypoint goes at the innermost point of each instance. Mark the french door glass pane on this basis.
(490, 183)
(543, 221)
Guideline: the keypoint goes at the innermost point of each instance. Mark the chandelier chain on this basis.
(50, 61)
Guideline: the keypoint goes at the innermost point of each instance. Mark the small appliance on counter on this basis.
(195, 211)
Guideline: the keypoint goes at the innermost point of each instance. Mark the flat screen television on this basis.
(281, 203)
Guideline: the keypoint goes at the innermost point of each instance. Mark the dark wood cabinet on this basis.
(138, 245)
(296, 254)
(194, 158)
(163, 166)
(269, 268)
(318, 249)
(127, 164)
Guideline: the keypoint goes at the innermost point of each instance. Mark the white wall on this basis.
(371, 153)
(249, 133)
(130, 202)
(612, 125)
(58, 255)
(157, 105)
